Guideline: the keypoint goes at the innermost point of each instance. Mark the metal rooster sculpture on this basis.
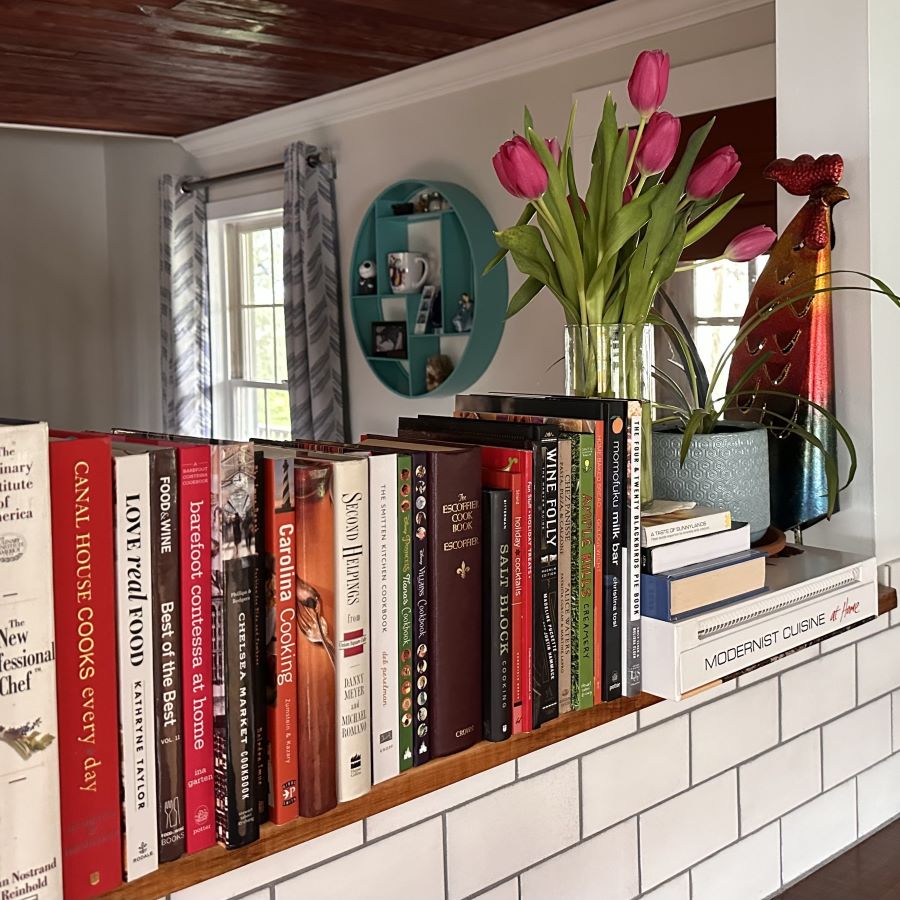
(799, 338)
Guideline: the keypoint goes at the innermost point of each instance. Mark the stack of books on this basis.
(694, 558)
(713, 608)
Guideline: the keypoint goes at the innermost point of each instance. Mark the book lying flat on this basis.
(664, 528)
(676, 555)
(692, 589)
(810, 595)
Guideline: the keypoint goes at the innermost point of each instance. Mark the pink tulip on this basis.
(712, 175)
(553, 147)
(627, 194)
(649, 82)
(750, 243)
(659, 143)
(520, 169)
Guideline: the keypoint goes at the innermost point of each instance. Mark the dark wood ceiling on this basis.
(170, 67)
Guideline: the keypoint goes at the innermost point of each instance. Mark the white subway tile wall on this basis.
(734, 729)
(733, 794)
(749, 869)
(688, 828)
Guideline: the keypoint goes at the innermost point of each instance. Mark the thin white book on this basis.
(667, 557)
(351, 615)
(383, 615)
(30, 852)
(134, 590)
(564, 584)
(810, 596)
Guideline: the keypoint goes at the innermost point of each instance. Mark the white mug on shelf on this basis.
(408, 271)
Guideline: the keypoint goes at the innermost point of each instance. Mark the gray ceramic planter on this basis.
(728, 469)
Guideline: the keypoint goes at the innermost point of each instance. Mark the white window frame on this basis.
(226, 219)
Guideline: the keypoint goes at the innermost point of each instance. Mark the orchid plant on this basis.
(605, 252)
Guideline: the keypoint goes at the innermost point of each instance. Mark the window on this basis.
(712, 299)
(250, 356)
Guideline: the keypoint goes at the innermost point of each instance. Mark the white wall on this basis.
(79, 252)
(452, 137)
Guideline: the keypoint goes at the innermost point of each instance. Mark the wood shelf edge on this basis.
(190, 870)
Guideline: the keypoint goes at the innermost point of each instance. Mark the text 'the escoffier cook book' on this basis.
(453, 518)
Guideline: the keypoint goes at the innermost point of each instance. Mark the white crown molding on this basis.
(611, 25)
(53, 129)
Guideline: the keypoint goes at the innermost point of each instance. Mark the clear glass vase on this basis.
(614, 361)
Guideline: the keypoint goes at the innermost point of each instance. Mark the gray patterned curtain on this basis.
(312, 297)
(184, 309)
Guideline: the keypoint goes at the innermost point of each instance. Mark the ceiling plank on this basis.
(169, 67)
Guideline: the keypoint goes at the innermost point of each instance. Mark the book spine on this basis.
(383, 616)
(314, 542)
(85, 615)
(454, 601)
(134, 589)
(196, 642)
(237, 818)
(545, 658)
(564, 575)
(583, 630)
(631, 652)
(167, 658)
(351, 535)
(405, 614)
(261, 579)
(531, 587)
(281, 644)
(497, 537)
(31, 855)
(418, 701)
(600, 551)
(519, 598)
(614, 548)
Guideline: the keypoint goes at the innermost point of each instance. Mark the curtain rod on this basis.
(188, 185)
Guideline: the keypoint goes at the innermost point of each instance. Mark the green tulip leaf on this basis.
(705, 225)
(527, 291)
(524, 219)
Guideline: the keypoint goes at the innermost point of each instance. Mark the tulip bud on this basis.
(750, 243)
(553, 147)
(520, 169)
(712, 175)
(659, 143)
(649, 82)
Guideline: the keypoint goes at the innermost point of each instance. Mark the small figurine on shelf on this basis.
(422, 202)
(437, 368)
(465, 312)
(366, 283)
(435, 201)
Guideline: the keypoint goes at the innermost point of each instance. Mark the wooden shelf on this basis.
(190, 870)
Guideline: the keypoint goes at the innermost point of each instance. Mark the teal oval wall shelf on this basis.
(459, 242)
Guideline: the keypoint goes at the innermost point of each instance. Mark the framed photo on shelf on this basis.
(424, 314)
(389, 340)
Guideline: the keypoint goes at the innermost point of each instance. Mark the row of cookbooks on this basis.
(237, 632)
